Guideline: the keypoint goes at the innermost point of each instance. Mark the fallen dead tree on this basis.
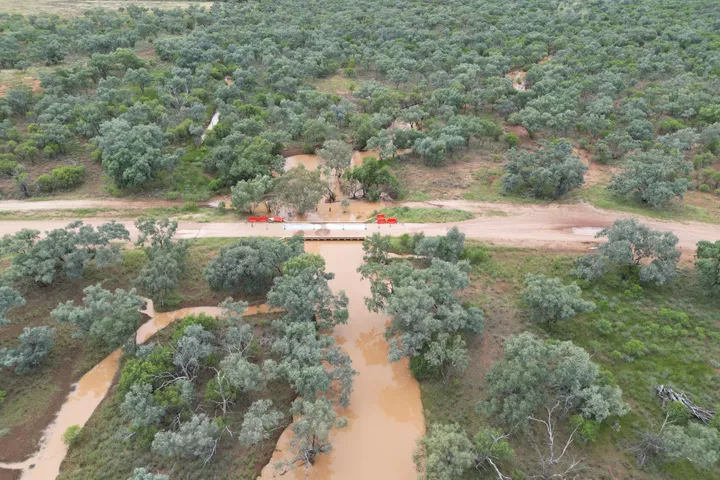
(669, 395)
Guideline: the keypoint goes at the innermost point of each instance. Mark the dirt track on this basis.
(542, 226)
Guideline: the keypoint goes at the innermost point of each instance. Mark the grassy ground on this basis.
(189, 211)
(681, 352)
(426, 215)
(32, 399)
(695, 206)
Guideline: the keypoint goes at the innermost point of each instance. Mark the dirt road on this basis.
(115, 204)
(540, 226)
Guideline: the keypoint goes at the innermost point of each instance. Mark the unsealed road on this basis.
(540, 226)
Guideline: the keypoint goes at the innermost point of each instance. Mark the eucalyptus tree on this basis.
(9, 300)
(105, 317)
(259, 422)
(707, 264)
(424, 305)
(136, 166)
(448, 248)
(166, 258)
(246, 195)
(653, 177)
(312, 432)
(304, 294)
(251, 264)
(313, 364)
(143, 474)
(336, 156)
(551, 301)
(66, 250)
(632, 246)
(535, 374)
(550, 172)
(35, 345)
(300, 189)
(195, 438)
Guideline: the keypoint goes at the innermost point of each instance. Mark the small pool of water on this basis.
(586, 231)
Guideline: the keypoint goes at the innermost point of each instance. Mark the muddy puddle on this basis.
(90, 391)
(385, 416)
(586, 231)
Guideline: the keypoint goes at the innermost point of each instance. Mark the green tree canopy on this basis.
(251, 264)
(631, 246)
(300, 189)
(550, 172)
(654, 177)
(707, 263)
(550, 301)
(534, 373)
(68, 250)
(106, 317)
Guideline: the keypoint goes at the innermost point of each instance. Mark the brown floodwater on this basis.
(385, 415)
(89, 392)
(358, 210)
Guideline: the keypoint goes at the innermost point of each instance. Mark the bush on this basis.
(61, 178)
(206, 321)
(511, 140)
(65, 178)
(670, 125)
(587, 430)
(8, 167)
(72, 435)
(44, 183)
(421, 368)
(705, 188)
(634, 350)
(475, 254)
(678, 413)
(3, 394)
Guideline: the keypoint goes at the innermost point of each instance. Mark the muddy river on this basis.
(385, 416)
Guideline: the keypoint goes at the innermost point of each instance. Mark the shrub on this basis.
(44, 183)
(678, 413)
(587, 430)
(68, 177)
(61, 178)
(8, 167)
(511, 140)
(3, 394)
(72, 435)
(475, 254)
(670, 125)
(206, 321)
(422, 369)
(704, 188)
(634, 350)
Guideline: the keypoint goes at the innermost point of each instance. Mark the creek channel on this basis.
(90, 390)
(385, 416)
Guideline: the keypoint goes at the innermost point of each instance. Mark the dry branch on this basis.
(669, 395)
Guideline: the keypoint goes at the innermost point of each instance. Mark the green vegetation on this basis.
(639, 336)
(612, 102)
(426, 215)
